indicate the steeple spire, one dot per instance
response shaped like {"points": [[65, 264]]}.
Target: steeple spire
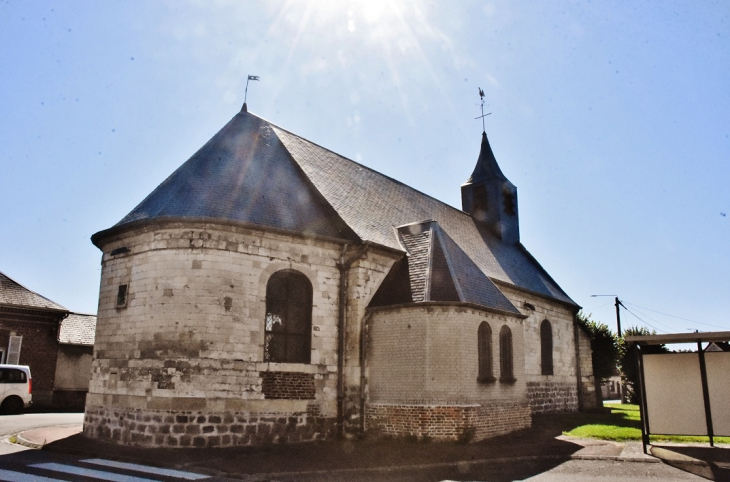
{"points": [[490, 197]]}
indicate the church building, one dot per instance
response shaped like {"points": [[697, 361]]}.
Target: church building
{"points": [[271, 290]]}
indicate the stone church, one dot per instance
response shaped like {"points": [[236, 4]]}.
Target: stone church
{"points": [[271, 290]]}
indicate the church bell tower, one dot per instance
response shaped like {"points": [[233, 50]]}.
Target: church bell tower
{"points": [[490, 197]]}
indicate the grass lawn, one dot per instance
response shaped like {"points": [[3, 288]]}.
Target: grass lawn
{"points": [[622, 424]]}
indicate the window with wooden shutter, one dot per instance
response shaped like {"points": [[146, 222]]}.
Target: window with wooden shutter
{"points": [[14, 350]]}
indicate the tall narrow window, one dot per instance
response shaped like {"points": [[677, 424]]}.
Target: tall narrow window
{"points": [[546, 347], [484, 338], [505, 355], [122, 296], [288, 324]]}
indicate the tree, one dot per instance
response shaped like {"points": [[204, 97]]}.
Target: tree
{"points": [[629, 364], [604, 345]]}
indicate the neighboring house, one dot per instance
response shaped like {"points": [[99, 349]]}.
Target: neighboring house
{"points": [[611, 388], [30, 335], [73, 365], [272, 290]]}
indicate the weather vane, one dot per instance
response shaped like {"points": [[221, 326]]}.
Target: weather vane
{"points": [[481, 96], [245, 94]]}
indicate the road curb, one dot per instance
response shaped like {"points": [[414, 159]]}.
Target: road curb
{"points": [[20, 440]]}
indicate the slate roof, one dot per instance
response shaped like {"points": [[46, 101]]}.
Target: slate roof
{"points": [[255, 172], [14, 294], [77, 329]]}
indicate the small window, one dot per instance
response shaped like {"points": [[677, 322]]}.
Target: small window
{"points": [[509, 202], [546, 347], [505, 355], [288, 324], [122, 296], [480, 198], [484, 337]]}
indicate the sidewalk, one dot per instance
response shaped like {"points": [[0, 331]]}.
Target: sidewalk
{"points": [[334, 457]]}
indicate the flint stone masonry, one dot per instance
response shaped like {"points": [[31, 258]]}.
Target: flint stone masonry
{"points": [[547, 397], [448, 422], [287, 385], [160, 428]]}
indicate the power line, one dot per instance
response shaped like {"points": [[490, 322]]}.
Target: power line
{"points": [[652, 319], [643, 321], [673, 316]]}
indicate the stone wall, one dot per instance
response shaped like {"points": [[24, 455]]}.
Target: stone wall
{"points": [[547, 397], [467, 423], [428, 353], [557, 392], [423, 367], [197, 428], [190, 335], [589, 399]]}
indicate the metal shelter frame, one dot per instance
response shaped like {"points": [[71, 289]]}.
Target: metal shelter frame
{"points": [[699, 338]]}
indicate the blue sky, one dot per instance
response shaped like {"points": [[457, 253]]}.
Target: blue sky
{"points": [[611, 118]]}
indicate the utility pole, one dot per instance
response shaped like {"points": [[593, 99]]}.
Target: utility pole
{"points": [[618, 304]]}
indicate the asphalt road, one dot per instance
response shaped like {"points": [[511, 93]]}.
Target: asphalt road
{"points": [[21, 464]]}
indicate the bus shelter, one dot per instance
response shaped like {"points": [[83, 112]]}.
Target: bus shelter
{"points": [[684, 393]]}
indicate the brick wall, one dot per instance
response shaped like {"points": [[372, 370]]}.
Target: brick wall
{"points": [[287, 385], [38, 350], [448, 422]]}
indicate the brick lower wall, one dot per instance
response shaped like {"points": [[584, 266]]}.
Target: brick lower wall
{"points": [[448, 422], [547, 397], [160, 428], [287, 385]]}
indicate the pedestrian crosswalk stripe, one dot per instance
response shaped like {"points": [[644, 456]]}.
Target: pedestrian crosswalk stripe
{"points": [[180, 474], [11, 476], [97, 474]]}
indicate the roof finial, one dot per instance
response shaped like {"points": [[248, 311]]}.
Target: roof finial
{"points": [[481, 96], [245, 94]]}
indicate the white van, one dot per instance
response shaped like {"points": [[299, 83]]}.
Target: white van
{"points": [[15, 388]]}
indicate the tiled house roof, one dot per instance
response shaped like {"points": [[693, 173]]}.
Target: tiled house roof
{"points": [[255, 172], [14, 294], [77, 329]]}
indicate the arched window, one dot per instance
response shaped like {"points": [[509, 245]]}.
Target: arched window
{"points": [[484, 338], [505, 355], [288, 330], [546, 347]]}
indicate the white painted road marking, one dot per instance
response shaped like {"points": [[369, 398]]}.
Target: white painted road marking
{"points": [[10, 476], [147, 469], [97, 474]]}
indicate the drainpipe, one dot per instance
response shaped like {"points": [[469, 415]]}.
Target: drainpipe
{"points": [[344, 268], [364, 330]]}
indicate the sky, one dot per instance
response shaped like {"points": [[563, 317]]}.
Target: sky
{"points": [[612, 118]]}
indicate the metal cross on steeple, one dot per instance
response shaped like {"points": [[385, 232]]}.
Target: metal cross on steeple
{"points": [[481, 95], [245, 94]]}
